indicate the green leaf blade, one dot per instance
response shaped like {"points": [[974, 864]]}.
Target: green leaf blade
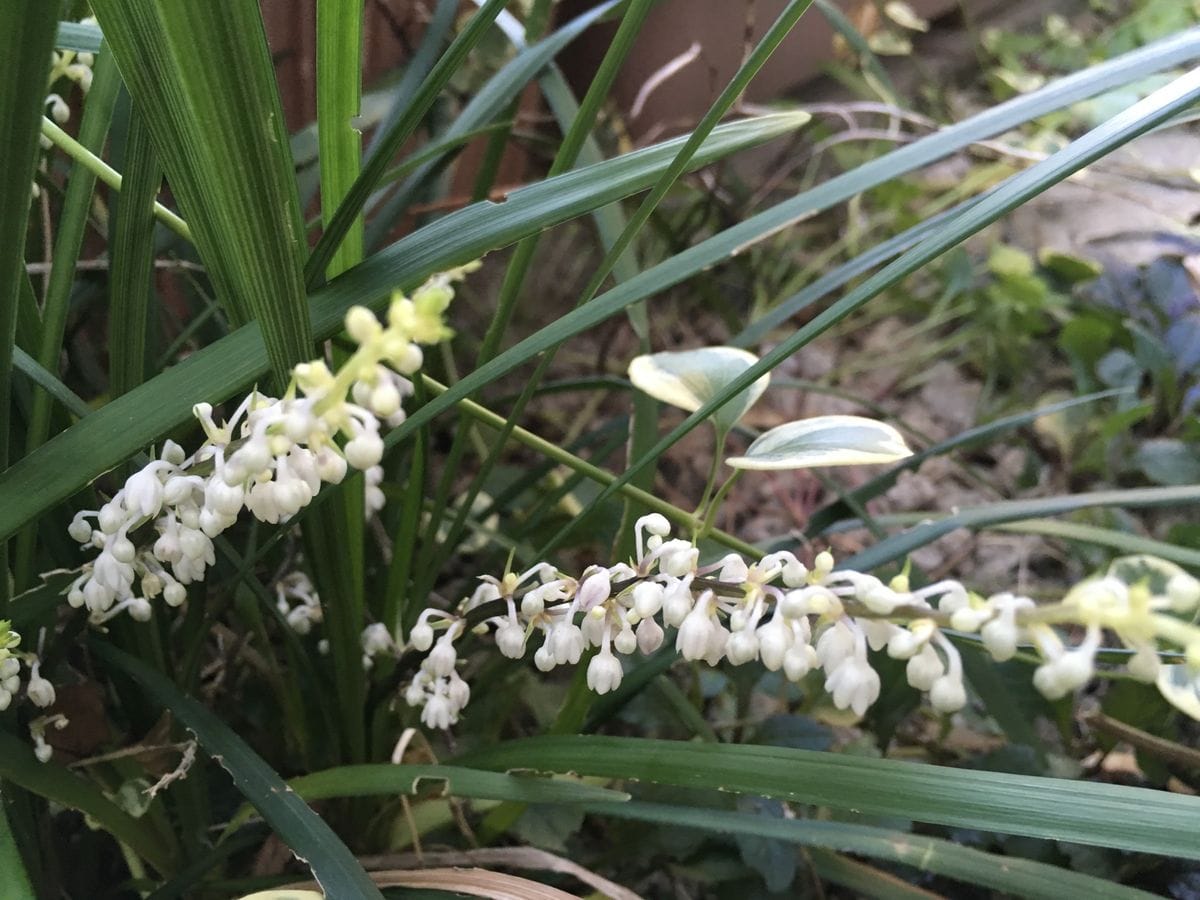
{"points": [[205, 71], [1105, 815]]}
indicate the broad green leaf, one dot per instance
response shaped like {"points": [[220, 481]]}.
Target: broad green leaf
{"points": [[26, 33], [130, 423], [301, 830], [824, 441], [62, 786], [690, 378], [203, 77], [1009, 874], [1105, 815]]}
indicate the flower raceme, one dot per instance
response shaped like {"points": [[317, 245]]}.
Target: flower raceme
{"points": [[270, 457], [796, 619]]}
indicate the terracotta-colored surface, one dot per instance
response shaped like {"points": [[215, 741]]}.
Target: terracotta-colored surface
{"points": [[723, 29]]}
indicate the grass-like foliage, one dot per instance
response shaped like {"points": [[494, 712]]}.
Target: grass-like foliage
{"points": [[356, 503]]}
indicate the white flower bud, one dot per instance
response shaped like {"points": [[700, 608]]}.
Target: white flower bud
{"points": [[39, 690], [421, 636], [677, 603], [122, 549], [1144, 665], [385, 400], [948, 694], [1184, 592], [968, 618], [59, 111], [594, 590], [361, 324], [173, 453], [365, 450], [111, 517], [544, 659], [139, 609], [174, 594], [1000, 637], [823, 564], [648, 598], [625, 641], [649, 636], [42, 751], [733, 569], [678, 558], [80, 529]]}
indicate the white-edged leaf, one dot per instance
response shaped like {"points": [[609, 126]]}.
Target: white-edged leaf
{"points": [[824, 441], [1181, 686], [690, 378]]}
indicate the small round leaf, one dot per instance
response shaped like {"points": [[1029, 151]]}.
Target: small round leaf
{"points": [[824, 441], [689, 379]]}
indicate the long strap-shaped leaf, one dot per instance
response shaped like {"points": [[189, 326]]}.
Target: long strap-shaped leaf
{"points": [[298, 826], [113, 433], [899, 545], [351, 205], [14, 880], [201, 74], [1012, 875], [490, 102], [26, 34], [1104, 815], [1137, 120]]}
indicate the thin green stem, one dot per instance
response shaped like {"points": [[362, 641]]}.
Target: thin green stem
{"points": [[706, 528], [107, 174], [595, 473]]}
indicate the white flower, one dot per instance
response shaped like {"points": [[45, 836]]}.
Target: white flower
{"points": [[442, 657], [565, 642], [39, 690], [604, 672], [853, 684], [775, 638], [677, 602], [692, 640], [510, 639], [924, 668]]}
